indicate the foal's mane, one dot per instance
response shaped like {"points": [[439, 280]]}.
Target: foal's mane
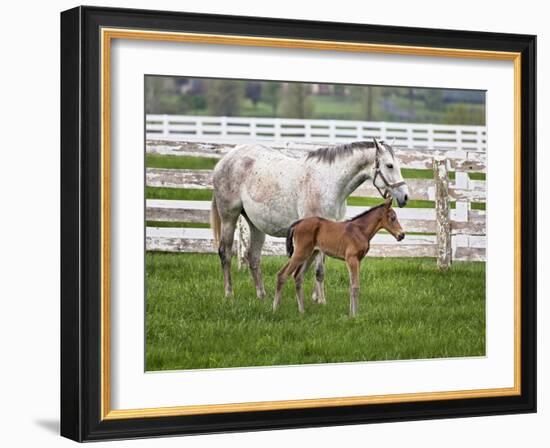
{"points": [[366, 212], [329, 154]]}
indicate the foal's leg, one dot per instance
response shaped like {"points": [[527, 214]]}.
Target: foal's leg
{"points": [[298, 281], [319, 289], [282, 276], [225, 250], [353, 268], [299, 275], [257, 238]]}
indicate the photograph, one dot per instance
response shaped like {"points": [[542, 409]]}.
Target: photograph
{"points": [[291, 223], [277, 224]]}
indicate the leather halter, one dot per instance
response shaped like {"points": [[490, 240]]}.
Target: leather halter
{"points": [[378, 172]]}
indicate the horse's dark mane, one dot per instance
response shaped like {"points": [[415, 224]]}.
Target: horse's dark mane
{"points": [[366, 212], [329, 154]]}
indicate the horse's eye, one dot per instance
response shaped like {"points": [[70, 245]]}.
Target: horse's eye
{"points": [[389, 166]]}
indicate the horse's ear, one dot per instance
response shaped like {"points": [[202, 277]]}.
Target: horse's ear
{"points": [[388, 201], [377, 146]]}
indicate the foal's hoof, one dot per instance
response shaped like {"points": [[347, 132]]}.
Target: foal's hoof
{"points": [[260, 295]]}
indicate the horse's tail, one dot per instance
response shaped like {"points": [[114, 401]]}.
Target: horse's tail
{"points": [[289, 238], [215, 222]]}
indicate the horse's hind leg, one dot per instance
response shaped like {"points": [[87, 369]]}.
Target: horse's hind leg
{"points": [[257, 238], [225, 250], [319, 289]]}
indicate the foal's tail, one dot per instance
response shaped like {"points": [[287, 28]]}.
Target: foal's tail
{"points": [[289, 238], [215, 222]]}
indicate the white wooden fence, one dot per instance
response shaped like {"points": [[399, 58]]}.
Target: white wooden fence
{"points": [[239, 129], [466, 226]]}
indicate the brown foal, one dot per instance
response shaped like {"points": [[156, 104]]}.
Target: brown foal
{"points": [[346, 240]]}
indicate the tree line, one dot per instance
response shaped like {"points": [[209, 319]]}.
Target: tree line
{"points": [[227, 97]]}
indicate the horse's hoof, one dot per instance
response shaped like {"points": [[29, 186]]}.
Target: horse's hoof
{"points": [[261, 295]]}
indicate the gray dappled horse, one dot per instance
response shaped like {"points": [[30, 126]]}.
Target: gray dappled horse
{"points": [[272, 191]]}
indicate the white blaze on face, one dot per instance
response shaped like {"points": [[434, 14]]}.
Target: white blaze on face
{"points": [[391, 170]]}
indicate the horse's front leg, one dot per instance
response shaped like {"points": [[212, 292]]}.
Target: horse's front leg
{"points": [[318, 294], [257, 238], [353, 268]]}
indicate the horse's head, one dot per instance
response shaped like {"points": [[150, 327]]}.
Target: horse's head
{"points": [[387, 177], [390, 222]]}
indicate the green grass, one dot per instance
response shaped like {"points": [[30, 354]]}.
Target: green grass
{"points": [[369, 202], [478, 206], [409, 173], [197, 194], [207, 163], [413, 203], [182, 194], [477, 176], [407, 310], [179, 162], [203, 225]]}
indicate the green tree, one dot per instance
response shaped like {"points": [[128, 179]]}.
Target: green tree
{"points": [[253, 92], [223, 97], [161, 95], [271, 94], [296, 101], [366, 95], [433, 100], [410, 97], [465, 114]]}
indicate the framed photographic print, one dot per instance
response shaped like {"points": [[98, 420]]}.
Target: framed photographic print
{"points": [[276, 224]]}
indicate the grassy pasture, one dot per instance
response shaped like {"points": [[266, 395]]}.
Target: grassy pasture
{"points": [[407, 310]]}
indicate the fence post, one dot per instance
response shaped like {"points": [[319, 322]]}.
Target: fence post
{"points": [[443, 221], [480, 145], [331, 132], [462, 182], [243, 242], [223, 127], [198, 127], [165, 126], [277, 129]]}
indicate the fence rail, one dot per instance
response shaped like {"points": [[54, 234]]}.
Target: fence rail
{"points": [[466, 227], [421, 189], [240, 129]]}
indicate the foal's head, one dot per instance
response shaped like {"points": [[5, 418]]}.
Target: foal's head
{"points": [[389, 221]]}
